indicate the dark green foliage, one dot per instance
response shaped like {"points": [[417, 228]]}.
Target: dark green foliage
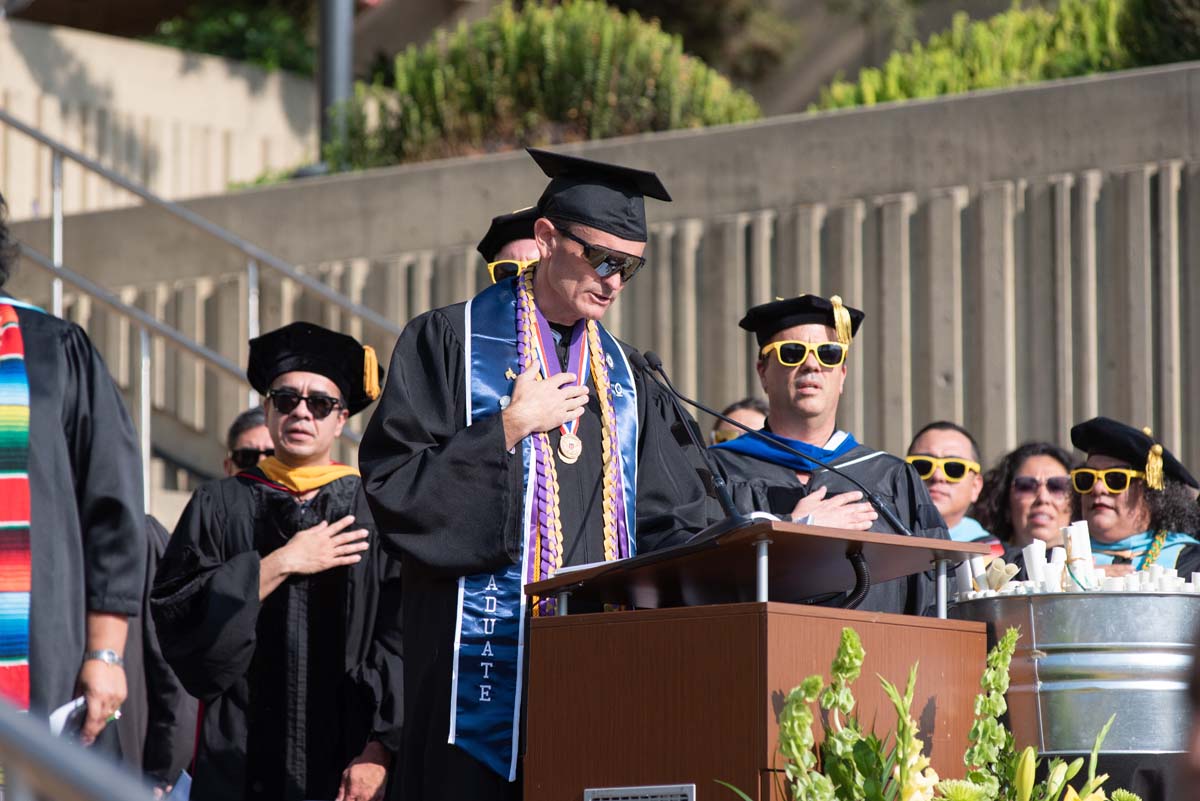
{"points": [[1016, 47], [1162, 31], [540, 75], [272, 35], [744, 38]]}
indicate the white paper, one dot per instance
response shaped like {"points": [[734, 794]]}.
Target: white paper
{"points": [[59, 717]]}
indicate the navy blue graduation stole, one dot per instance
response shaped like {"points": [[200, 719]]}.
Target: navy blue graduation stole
{"points": [[489, 638]]}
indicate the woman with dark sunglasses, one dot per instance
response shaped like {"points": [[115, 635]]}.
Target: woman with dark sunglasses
{"points": [[1028, 496], [1138, 499]]}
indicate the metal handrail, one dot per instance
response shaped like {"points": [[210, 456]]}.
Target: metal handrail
{"points": [[36, 763], [255, 254], [146, 325]]}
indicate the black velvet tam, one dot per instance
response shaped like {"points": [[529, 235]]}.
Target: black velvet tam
{"points": [[606, 197], [507, 228], [309, 348], [768, 319], [1107, 437]]}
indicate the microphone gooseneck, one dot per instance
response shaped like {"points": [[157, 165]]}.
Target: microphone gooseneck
{"points": [[720, 488], [654, 363]]}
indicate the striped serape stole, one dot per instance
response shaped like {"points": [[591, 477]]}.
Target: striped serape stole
{"points": [[15, 566]]}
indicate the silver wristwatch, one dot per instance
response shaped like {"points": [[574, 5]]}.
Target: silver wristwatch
{"points": [[107, 655]]}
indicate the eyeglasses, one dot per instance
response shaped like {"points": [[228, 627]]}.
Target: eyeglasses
{"points": [[1116, 479], [792, 352], [507, 268], [606, 261], [245, 458], [953, 468], [1029, 485], [286, 401], [726, 434]]}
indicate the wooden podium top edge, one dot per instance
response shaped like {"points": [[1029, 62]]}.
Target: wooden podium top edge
{"points": [[755, 609], [775, 531]]}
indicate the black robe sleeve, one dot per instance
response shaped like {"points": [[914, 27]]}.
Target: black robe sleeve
{"points": [[672, 502], [914, 506], [442, 493], [108, 490], [171, 718], [205, 605], [380, 677]]}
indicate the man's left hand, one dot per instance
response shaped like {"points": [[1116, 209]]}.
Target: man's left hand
{"points": [[103, 687], [365, 777]]}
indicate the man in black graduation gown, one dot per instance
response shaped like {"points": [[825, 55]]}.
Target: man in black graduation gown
{"points": [[275, 606], [85, 546], [803, 344], [513, 439]]}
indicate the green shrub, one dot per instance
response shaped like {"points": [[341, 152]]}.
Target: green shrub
{"points": [[1019, 46], [272, 34], [540, 75], [1162, 31]]}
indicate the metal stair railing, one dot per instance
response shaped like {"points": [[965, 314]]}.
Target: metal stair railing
{"points": [[255, 256], [39, 765], [146, 325]]}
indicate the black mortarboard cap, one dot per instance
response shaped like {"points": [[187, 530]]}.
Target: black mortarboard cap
{"points": [[1107, 437], [606, 197], [507, 228], [309, 348], [769, 319]]}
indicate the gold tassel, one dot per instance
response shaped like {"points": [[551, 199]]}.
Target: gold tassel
{"points": [[370, 372], [841, 320], [1154, 467]]}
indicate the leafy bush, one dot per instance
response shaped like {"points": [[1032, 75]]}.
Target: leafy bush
{"points": [[272, 35], [543, 74], [1019, 46], [1162, 31]]}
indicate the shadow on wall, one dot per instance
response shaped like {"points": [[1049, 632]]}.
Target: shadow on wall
{"points": [[296, 96], [115, 140]]}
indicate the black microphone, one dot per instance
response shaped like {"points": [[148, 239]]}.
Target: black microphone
{"points": [[733, 518], [653, 361]]}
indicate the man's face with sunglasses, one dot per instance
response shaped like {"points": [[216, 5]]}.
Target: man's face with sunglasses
{"points": [[1113, 516], [953, 485], [581, 271], [252, 446], [808, 391], [305, 414]]}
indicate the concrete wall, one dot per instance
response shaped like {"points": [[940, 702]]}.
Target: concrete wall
{"points": [[1026, 258], [182, 124]]}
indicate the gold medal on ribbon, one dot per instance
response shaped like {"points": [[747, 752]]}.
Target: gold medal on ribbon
{"points": [[569, 448]]}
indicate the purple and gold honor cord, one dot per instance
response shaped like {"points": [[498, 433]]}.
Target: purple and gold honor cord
{"points": [[546, 535]]}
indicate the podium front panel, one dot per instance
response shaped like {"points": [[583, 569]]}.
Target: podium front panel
{"points": [[692, 695]]}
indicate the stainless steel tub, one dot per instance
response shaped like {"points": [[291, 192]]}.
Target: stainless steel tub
{"points": [[1085, 656]]}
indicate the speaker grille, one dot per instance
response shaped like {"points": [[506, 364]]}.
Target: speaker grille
{"points": [[662, 792]]}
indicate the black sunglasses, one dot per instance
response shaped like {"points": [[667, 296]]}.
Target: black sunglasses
{"points": [[286, 401], [245, 458], [606, 261]]}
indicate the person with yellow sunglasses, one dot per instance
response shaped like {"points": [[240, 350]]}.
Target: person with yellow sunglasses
{"points": [[802, 346], [1138, 499], [946, 458], [508, 247]]}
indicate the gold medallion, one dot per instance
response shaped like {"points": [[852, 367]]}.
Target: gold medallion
{"points": [[569, 448]]}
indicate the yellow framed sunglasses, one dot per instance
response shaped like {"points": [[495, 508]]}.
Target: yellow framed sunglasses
{"points": [[725, 435], [793, 352], [1116, 479], [507, 268], [953, 468]]}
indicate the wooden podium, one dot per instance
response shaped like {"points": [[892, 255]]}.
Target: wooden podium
{"points": [[687, 687]]}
